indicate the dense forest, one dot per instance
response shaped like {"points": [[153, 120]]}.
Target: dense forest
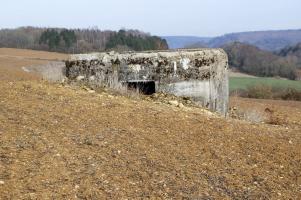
{"points": [[122, 38], [79, 40], [252, 60]]}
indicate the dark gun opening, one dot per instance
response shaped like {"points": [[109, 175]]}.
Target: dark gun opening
{"points": [[146, 87]]}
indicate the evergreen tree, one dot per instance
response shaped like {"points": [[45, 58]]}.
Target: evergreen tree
{"points": [[137, 43], [69, 37], [50, 37], [54, 39]]}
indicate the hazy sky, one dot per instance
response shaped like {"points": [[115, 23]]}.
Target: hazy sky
{"points": [[160, 17]]}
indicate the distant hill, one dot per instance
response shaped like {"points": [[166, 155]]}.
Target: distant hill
{"points": [[252, 60], [176, 42], [265, 40]]}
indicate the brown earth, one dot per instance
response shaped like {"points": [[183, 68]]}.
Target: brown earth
{"points": [[63, 142], [12, 61]]}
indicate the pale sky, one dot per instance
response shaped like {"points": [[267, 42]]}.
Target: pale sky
{"points": [[159, 17]]}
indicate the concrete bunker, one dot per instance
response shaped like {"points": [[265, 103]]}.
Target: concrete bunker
{"points": [[201, 74]]}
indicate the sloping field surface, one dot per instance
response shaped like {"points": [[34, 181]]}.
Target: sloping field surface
{"points": [[12, 61], [63, 142], [59, 142]]}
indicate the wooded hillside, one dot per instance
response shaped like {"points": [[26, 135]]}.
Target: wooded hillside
{"points": [[293, 53], [252, 60], [79, 40]]}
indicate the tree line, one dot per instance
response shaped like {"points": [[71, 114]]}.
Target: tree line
{"points": [[79, 40], [140, 43], [252, 60]]}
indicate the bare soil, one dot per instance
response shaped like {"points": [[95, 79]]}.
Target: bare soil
{"points": [[12, 61], [63, 142]]}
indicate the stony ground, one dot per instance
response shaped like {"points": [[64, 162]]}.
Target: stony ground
{"points": [[62, 142]]}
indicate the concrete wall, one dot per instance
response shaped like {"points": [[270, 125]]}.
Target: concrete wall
{"points": [[201, 74]]}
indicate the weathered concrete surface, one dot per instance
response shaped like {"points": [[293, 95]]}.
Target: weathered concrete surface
{"points": [[53, 71], [201, 73]]}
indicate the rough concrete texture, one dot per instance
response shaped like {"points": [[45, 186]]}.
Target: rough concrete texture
{"points": [[201, 74], [53, 71]]}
